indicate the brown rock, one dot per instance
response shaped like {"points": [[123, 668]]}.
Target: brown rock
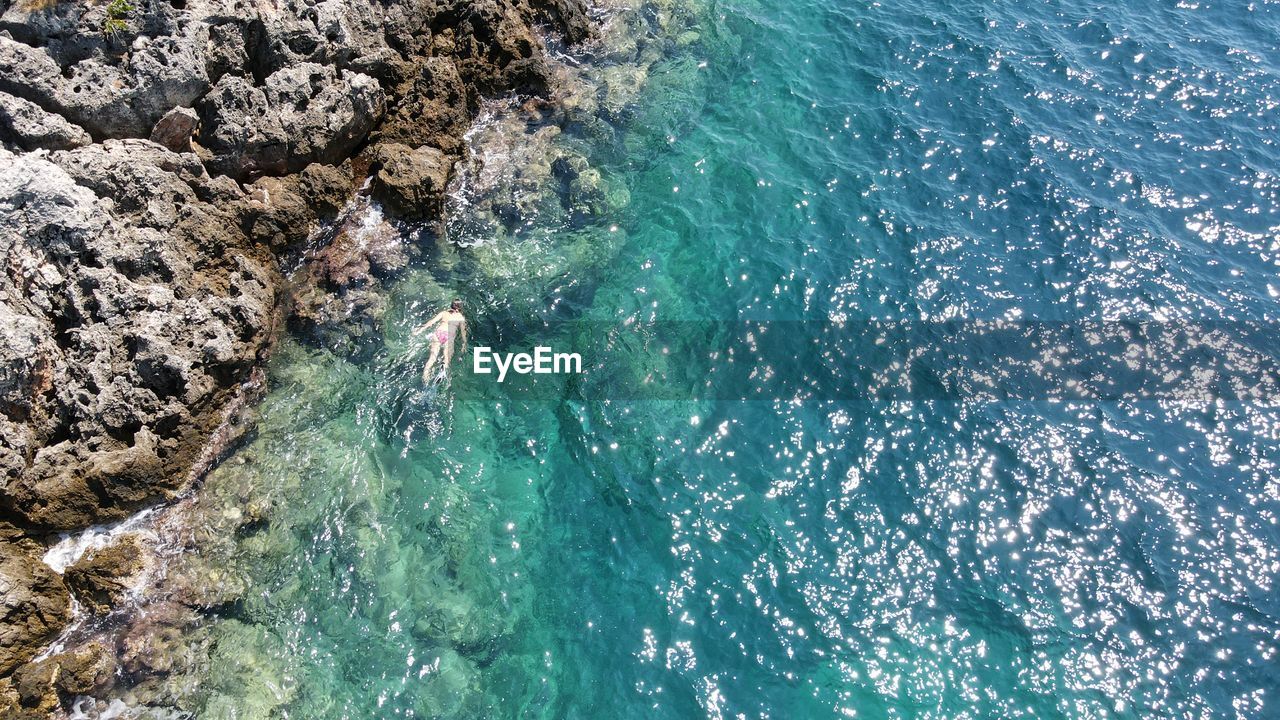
{"points": [[278, 214], [36, 688], [10, 704], [101, 579], [570, 16], [34, 606], [435, 109], [284, 211], [37, 691], [411, 182], [85, 670], [175, 129], [64, 488], [326, 188], [500, 51]]}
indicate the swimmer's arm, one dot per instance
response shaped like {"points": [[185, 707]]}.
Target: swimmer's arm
{"points": [[418, 330], [463, 344]]}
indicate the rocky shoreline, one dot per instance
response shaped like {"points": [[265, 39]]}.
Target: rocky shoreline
{"points": [[174, 188]]}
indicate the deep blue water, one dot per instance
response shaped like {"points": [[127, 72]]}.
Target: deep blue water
{"points": [[690, 529]]}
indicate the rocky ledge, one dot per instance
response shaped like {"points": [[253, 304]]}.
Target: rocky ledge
{"points": [[161, 163]]}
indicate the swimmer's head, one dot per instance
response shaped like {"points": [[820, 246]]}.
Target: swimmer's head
{"points": [[456, 306]]}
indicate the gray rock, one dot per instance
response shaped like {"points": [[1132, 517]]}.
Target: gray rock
{"points": [[328, 32], [25, 348], [138, 177], [324, 113], [242, 130], [31, 23], [302, 114], [27, 126], [28, 72], [226, 50], [108, 98], [164, 317]]}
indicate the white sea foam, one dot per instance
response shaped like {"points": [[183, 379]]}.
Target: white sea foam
{"points": [[72, 547], [84, 708]]}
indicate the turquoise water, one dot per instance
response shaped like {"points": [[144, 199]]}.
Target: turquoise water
{"points": [[689, 529]]}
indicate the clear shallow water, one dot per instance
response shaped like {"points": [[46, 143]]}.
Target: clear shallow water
{"points": [[593, 547]]}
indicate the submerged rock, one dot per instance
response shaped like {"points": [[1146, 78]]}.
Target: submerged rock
{"points": [[453, 688], [165, 637], [338, 298]]}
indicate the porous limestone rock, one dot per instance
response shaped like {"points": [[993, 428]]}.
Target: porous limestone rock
{"points": [[111, 99], [302, 114], [127, 338], [27, 126], [435, 109]]}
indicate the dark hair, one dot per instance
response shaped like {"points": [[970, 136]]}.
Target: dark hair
{"points": [[455, 305]]}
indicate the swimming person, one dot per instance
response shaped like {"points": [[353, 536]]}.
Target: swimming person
{"points": [[448, 330]]}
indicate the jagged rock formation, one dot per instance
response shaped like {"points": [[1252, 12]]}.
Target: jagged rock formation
{"points": [[102, 577], [34, 606], [32, 128], [135, 308], [149, 179]]}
